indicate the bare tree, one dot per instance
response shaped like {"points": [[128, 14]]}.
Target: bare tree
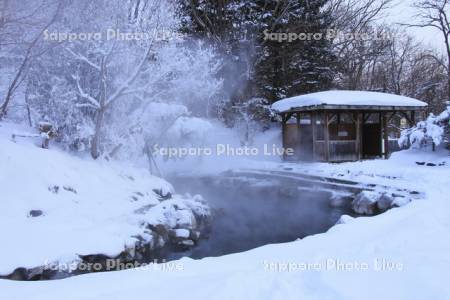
{"points": [[359, 58], [30, 47], [356, 18], [436, 14]]}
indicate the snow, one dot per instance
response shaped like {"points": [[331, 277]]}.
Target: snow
{"points": [[400, 254], [88, 207], [355, 98], [183, 233]]}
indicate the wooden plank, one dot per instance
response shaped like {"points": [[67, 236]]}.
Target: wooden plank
{"points": [[314, 137], [342, 150]]}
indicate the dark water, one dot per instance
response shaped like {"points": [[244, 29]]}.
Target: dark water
{"points": [[251, 212]]}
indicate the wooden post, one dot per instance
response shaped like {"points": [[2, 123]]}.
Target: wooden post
{"points": [[314, 134], [363, 120], [327, 138], [380, 121], [46, 131], [283, 133], [385, 136], [358, 136]]}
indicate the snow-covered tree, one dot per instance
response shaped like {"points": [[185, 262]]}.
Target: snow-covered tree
{"points": [[105, 94], [434, 130], [182, 86], [250, 117], [104, 67], [22, 25]]}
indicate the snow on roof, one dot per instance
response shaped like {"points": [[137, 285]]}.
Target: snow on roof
{"points": [[353, 98]]}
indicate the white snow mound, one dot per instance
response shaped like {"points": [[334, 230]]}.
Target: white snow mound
{"points": [[55, 207]]}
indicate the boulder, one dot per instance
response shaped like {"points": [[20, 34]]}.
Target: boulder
{"points": [[338, 200], [181, 233], [187, 243], [195, 235], [385, 202], [35, 213], [365, 202]]}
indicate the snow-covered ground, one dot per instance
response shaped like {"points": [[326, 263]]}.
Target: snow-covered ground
{"points": [[401, 254], [55, 206]]}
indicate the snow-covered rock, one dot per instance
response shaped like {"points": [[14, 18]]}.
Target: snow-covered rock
{"points": [[385, 202], [372, 202], [400, 201], [345, 219], [366, 202], [181, 233]]}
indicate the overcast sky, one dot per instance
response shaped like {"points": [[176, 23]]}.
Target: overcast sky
{"points": [[403, 12]]}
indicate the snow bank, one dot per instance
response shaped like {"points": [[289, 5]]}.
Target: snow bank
{"points": [[405, 251], [355, 98], [55, 207], [401, 254]]}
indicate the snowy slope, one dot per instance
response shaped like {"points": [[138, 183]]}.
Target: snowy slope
{"points": [[87, 207], [406, 251], [346, 98]]}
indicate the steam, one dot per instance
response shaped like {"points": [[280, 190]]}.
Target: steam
{"points": [[250, 213]]}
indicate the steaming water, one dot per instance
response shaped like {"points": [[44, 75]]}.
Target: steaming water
{"points": [[251, 212]]}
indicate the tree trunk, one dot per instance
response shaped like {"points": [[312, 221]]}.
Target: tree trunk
{"points": [[95, 144]]}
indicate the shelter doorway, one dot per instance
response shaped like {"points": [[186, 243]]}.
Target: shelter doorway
{"points": [[371, 135]]}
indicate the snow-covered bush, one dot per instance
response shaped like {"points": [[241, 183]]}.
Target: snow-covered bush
{"points": [[434, 129], [51, 97], [248, 117]]}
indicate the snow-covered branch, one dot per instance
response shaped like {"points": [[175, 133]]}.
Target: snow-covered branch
{"points": [[86, 96], [83, 58]]}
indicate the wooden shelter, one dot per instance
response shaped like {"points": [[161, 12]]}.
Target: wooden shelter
{"points": [[339, 126]]}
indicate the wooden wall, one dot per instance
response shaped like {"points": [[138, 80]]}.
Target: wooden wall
{"points": [[331, 136]]}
